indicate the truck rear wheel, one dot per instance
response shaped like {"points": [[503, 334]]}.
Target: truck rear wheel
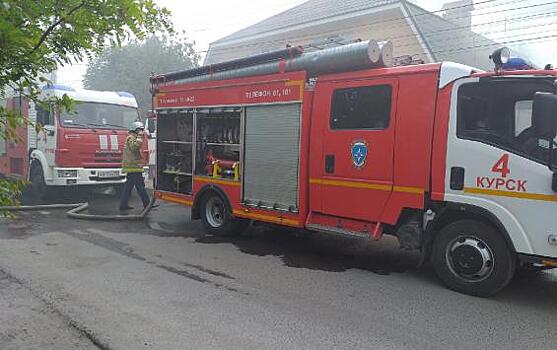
{"points": [[217, 217], [473, 258]]}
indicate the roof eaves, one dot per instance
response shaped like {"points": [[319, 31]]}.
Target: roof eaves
{"points": [[404, 4], [439, 18]]}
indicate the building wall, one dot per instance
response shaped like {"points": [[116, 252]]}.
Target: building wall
{"points": [[413, 31], [3, 143], [384, 25], [13, 153]]}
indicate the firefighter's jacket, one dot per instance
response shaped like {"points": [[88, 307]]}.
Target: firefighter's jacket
{"points": [[133, 161]]}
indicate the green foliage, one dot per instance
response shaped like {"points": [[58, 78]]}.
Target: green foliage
{"points": [[37, 36], [11, 120], [10, 191], [128, 68]]}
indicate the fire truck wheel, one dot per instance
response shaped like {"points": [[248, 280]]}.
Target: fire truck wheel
{"points": [[38, 185], [217, 217], [472, 257]]}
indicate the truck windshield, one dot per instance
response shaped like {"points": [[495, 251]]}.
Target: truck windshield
{"points": [[498, 111], [99, 115]]}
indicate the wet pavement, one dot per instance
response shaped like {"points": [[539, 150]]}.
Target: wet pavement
{"points": [[161, 283]]}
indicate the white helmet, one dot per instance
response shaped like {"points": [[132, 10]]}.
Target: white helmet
{"points": [[136, 125]]}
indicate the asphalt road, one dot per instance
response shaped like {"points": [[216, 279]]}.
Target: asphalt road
{"points": [[163, 284]]}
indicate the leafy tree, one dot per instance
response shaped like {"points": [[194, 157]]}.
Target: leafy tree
{"points": [[37, 36], [128, 68]]}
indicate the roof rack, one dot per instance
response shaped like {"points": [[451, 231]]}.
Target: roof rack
{"points": [[350, 57]]}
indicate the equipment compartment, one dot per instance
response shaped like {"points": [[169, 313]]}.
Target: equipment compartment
{"points": [[175, 150], [218, 142]]}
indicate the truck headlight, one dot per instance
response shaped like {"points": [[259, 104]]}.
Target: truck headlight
{"points": [[67, 173]]}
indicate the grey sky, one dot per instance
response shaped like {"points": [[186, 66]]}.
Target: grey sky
{"points": [[208, 20]]}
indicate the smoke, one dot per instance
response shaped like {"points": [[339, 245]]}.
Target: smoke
{"points": [[539, 53], [501, 22]]}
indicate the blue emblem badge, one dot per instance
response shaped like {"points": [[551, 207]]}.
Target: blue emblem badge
{"points": [[359, 153]]}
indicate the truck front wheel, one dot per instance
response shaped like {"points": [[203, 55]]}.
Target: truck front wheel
{"points": [[38, 185], [472, 257], [217, 217]]}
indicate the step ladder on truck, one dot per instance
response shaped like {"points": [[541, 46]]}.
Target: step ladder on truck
{"points": [[455, 162]]}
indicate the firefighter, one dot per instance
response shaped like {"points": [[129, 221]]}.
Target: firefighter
{"points": [[132, 165]]}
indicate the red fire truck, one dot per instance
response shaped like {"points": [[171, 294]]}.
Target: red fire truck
{"points": [[78, 148], [453, 161]]}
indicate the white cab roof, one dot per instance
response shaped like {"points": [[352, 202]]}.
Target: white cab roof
{"points": [[451, 71], [111, 97]]}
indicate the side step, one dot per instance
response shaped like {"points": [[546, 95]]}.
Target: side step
{"points": [[375, 235]]}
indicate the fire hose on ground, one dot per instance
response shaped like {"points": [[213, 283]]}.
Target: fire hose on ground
{"points": [[76, 211]]}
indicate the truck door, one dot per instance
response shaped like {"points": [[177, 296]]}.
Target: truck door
{"points": [[46, 137], [356, 122]]}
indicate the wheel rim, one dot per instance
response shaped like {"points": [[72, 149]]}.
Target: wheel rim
{"points": [[470, 258], [215, 212]]}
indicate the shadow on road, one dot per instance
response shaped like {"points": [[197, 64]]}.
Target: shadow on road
{"points": [[534, 288]]}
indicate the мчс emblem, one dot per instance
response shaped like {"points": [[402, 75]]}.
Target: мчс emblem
{"points": [[359, 153]]}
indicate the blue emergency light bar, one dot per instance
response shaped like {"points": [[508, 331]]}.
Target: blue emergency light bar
{"points": [[58, 87], [518, 63]]}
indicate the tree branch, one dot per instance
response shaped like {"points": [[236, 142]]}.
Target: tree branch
{"points": [[53, 26]]}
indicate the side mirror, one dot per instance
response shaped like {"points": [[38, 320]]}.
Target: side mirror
{"points": [[544, 114], [49, 130], [544, 123], [552, 161]]}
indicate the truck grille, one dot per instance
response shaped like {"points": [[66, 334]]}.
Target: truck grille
{"points": [[108, 157]]}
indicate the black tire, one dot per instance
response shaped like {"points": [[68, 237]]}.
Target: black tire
{"points": [[39, 189], [217, 217], [473, 258]]}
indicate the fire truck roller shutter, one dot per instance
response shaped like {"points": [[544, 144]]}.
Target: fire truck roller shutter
{"points": [[272, 150]]}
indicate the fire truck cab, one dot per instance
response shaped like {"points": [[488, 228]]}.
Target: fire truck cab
{"points": [[78, 148], [454, 162]]}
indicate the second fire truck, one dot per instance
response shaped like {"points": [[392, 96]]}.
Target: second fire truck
{"points": [[79, 148]]}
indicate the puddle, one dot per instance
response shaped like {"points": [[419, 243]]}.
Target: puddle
{"points": [[33, 223], [295, 249], [16, 228], [316, 251]]}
